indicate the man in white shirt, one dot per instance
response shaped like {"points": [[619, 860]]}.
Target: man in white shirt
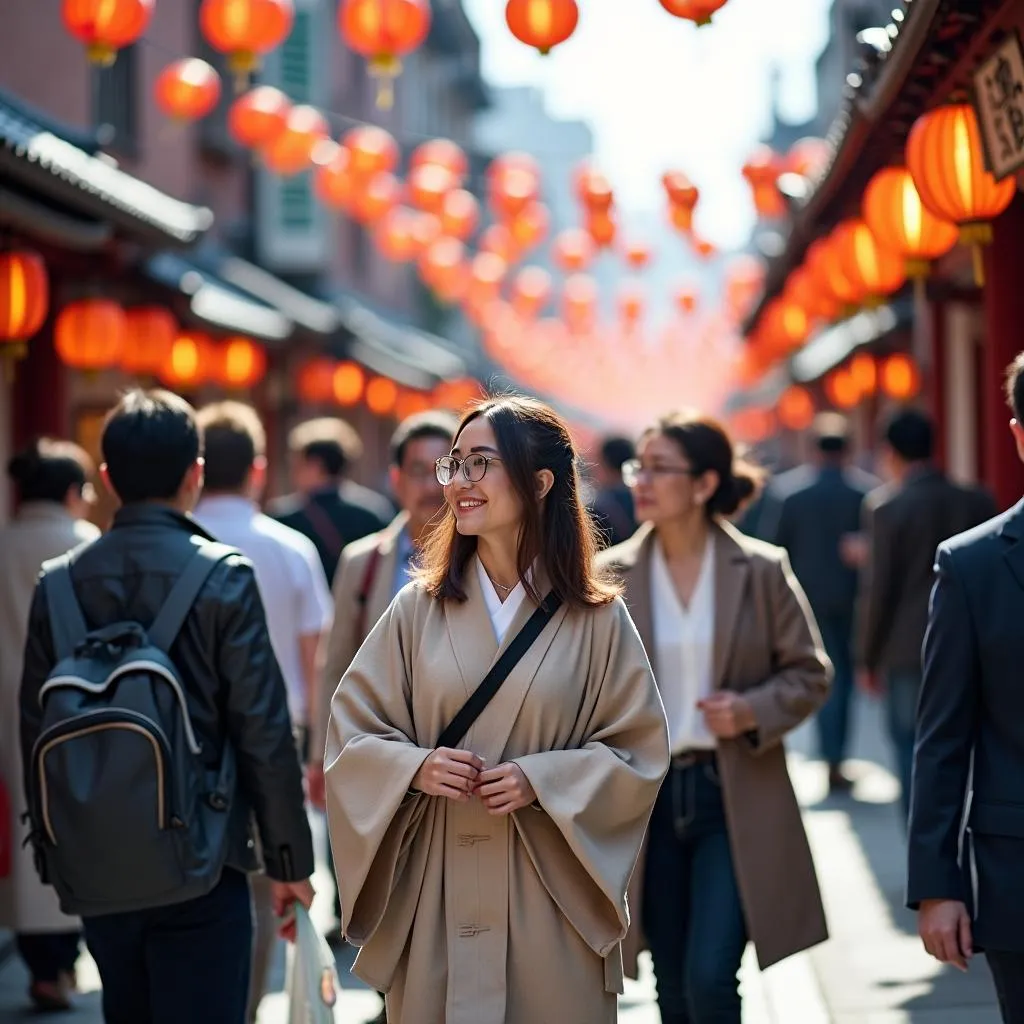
{"points": [[291, 582]]}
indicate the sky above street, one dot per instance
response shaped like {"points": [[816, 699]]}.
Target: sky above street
{"points": [[660, 93]]}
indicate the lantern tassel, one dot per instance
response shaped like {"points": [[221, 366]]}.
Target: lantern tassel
{"points": [[385, 68], [978, 259]]}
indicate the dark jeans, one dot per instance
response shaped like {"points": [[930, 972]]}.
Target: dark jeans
{"points": [[902, 690], [48, 954], [692, 913], [1008, 973], [834, 717], [186, 962]]}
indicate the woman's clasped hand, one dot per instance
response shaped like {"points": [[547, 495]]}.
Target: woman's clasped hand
{"points": [[460, 774]]}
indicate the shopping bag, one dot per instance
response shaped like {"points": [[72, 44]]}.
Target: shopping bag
{"points": [[312, 975]]}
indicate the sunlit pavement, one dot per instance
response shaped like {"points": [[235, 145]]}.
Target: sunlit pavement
{"points": [[872, 971]]}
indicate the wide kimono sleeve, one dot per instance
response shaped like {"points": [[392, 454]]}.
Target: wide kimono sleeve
{"points": [[594, 801], [370, 763]]}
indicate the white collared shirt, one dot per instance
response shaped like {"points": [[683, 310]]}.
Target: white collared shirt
{"points": [[684, 639], [502, 613], [290, 578]]}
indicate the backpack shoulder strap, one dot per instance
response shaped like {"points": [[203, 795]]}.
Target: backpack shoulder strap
{"points": [[67, 623], [178, 604]]}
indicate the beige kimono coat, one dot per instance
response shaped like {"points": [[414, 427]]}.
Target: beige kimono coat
{"points": [[468, 918], [41, 531], [766, 647]]}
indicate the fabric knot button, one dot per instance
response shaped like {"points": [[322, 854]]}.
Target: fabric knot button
{"points": [[468, 839], [217, 802], [469, 931]]}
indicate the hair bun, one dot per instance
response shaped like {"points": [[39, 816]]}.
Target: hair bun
{"points": [[740, 486]]}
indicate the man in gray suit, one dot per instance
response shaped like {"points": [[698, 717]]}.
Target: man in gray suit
{"points": [[905, 522], [813, 517]]}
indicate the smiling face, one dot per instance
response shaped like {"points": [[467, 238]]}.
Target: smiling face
{"points": [[489, 506]]}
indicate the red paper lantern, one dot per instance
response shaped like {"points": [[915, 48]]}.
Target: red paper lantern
{"points": [[151, 331], [573, 250], [245, 29], [542, 24], [314, 382], [530, 227], [795, 408], [291, 151], [373, 150], [872, 269], [348, 383], [428, 184], [441, 153], [531, 291], [90, 334], [394, 235], [379, 196], [24, 294], [381, 396], [460, 213], [106, 26], [498, 239], [383, 31], [333, 178], [257, 117], [900, 377], [513, 183], [188, 89], [697, 11], [191, 361], [602, 228], [241, 364]]}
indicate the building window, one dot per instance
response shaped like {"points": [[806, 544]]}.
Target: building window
{"points": [[115, 102]]}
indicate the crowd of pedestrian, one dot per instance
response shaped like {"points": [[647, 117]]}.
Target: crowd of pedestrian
{"points": [[547, 724]]}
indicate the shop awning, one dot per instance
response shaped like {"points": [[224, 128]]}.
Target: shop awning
{"points": [[407, 355], [215, 302], [35, 157]]}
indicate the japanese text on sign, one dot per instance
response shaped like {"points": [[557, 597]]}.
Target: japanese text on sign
{"points": [[999, 103]]}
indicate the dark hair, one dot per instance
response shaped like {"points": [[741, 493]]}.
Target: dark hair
{"points": [[831, 433], [48, 469], [910, 434], [557, 531], [232, 438], [709, 448], [1015, 387], [331, 442], [439, 425], [150, 441], [617, 450]]}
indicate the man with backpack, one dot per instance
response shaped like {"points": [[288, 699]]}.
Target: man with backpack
{"points": [[155, 732]]}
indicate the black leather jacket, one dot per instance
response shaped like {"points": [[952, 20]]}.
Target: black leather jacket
{"points": [[233, 682]]}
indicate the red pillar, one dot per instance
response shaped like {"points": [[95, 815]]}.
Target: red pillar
{"points": [[40, 392], [1004, 338]]}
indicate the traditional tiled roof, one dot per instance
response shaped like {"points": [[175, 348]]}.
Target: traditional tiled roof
{"points": [[33, 154]]}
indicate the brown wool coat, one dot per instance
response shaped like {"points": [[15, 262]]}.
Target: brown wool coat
{"points": [[467, 918], [767, 647]]}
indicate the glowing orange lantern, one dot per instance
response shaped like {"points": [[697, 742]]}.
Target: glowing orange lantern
{"points": [[698, 11], [804, 289], [870, 268], [573, 249], [542, 24], [680, 190], [594, 190], [257, 117], [785, 325], [441, 153], [637, 254], [686, 298], [530, 227], [151, 331], [744, 279], [602, 229], [245, 29], [90, 334], [795, 408], [428, 184], [381, 396], [947, 162], [426, 230], [808, 157], [531, 291], [900, 377], [333, 180], [379, 196], [291, 151], [631, 303], [823, 263], [512, 187], [498, 239], [762, 171], [579, 301], [348, 383], [394, 235], [443, 268], [24, 295], [864, 373], [456, 394], [460, 213], [190, 362], [841, 389], [187, 89], [106, 26], [411, 403], [315, 381], [383, 31], [486, 273], [373, 150], [900, 221], [240, 364]]}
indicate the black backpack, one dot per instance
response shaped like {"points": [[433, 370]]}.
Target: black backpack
{"points": [[125, 815]]}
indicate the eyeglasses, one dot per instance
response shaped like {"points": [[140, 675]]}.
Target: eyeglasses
{"points": [[474, 468], [634, 469]]}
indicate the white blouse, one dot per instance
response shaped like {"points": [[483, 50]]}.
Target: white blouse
{"points": [[502, 613], [684, 638]]}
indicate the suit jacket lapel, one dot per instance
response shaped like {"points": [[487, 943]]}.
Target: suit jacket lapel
{"points": [[382, 590], [731, 568], [1013, 531]]}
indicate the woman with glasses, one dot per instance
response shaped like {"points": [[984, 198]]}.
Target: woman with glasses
{"points": [[739, 664], [485, 880], [55, 495]]}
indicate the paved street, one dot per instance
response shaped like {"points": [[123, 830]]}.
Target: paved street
{"points": [[872, 971]]}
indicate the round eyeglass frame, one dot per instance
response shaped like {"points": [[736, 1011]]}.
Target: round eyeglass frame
{"points": [[473, 467]]}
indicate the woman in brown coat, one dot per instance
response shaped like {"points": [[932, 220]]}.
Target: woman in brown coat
{"points": [[739, 663]]}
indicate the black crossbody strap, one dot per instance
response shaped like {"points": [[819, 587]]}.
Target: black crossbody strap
{"points": [[484, 693], [67, 623]]}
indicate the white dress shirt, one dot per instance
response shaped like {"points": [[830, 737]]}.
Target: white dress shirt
{"points": [[502, 613], [684, 638], [290, 578]]}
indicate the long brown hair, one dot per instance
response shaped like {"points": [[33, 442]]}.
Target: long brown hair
{"points": [[557, 530]]}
